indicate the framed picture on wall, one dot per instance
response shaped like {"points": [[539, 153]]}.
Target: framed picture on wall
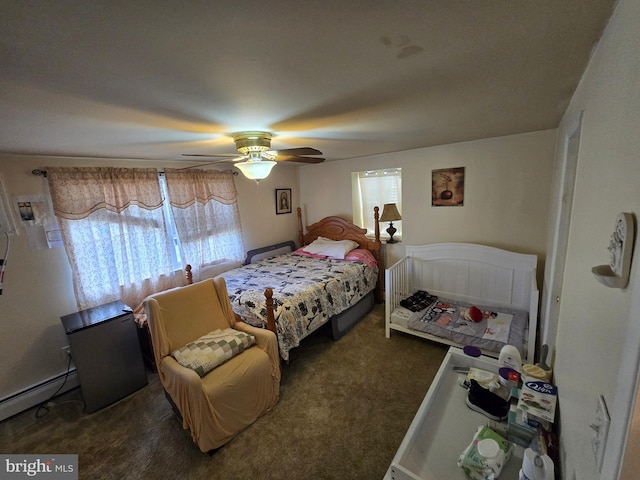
{"points": [[283, 200], [447, 187], [26, 211]]}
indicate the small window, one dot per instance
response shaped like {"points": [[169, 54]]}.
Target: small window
{"points": [[375, 188]]}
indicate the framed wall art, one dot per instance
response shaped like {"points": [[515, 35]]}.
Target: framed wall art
{"points": [[447, 187], [283, 200]]}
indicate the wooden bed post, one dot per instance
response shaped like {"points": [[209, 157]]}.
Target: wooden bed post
{"points": [[271, 320], [380, 285], [300, 230], [376, 219]]}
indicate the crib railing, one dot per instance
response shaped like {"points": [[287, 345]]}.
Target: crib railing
{"points": [[397, 287]]}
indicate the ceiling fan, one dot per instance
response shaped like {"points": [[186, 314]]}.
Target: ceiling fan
{"points": [[257, 158]]}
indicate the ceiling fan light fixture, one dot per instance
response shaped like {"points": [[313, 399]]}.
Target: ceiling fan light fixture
{"points": [[256, 169]]}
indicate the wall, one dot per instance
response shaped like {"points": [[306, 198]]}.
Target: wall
{"points": [[260, 224], [38, 289], [507, 189], [597, 331]]}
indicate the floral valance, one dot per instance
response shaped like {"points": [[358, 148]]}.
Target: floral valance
{"points": [[189, 186], [78, 192]]}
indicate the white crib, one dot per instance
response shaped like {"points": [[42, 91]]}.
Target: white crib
{"points": [[470, 273]]}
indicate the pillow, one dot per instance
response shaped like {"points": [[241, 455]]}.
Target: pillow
{"points": [[213, 349], [301, 251], [330, 248], [361, 255]]}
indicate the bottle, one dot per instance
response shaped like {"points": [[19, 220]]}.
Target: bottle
{"points": [[536, 466], [510, 358]]}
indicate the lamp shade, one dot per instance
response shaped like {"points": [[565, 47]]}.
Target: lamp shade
{"points": [[390, 213], [256, 170]]}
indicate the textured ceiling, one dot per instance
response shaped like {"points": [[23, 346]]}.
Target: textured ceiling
{"points": [[153, 79]]}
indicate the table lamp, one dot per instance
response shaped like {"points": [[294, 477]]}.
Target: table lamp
{"points": [[390, 214]]}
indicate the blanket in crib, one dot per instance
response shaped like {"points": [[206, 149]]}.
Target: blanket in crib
{"points": [[452, 320]]}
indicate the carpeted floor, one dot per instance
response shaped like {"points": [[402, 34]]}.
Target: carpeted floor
{"points": [[343, 411]]}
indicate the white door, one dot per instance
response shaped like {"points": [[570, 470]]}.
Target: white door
{"points": [[554, 266]]}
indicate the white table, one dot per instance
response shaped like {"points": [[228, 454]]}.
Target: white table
{"points": [[444, 426]]}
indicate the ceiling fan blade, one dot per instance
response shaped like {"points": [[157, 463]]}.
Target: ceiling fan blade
{"points": [[199, 165], [213, 156], [214, 162], [221, 160], [296, 158], [299, 151]]}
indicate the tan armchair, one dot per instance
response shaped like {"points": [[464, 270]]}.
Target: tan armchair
{"points": [[217, 406]]}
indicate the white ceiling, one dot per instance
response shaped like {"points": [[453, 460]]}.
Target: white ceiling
{"points": [[153, 79]]}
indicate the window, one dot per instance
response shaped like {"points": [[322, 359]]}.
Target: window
{"points": [[205, 212], [375, 188], [113, 229], [125, 241]]}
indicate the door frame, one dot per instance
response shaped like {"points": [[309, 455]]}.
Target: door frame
{"points": [[559, 226]]}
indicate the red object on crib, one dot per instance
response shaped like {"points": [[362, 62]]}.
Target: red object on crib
{"points": [[475, 313]]}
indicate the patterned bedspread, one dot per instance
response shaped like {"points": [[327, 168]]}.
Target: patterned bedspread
{"points": [[307, 292]]}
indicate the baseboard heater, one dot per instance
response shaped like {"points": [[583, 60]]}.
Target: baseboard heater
{"points": [[36, 394]]}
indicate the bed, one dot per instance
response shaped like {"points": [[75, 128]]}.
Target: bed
{"points": [[436, 291], [293, 294]]}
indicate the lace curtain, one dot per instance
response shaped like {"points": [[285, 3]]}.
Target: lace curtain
{"points": [[114, 232], [205, 211]]}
